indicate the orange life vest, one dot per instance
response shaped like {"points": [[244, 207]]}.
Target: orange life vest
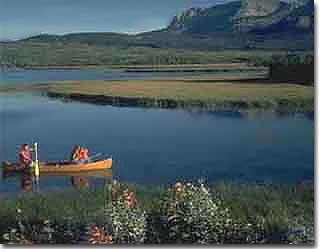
{"points": [[84, 154], [25, 156], [76, 154]]}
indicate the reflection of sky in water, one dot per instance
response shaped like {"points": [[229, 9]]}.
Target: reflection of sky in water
{"points": [[46, 76], [160, 146]]}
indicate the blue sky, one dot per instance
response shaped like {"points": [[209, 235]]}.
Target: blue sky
{"points": [[22, 18]]}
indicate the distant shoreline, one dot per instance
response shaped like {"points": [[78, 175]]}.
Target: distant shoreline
{"points": [[212, 66], [205, 94], [149, 102]]}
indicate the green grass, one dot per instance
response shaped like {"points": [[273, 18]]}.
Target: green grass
{"points": [[245, 200], [203, 92], [26, 54], [276, 203], [278, 206], [207, 94]]}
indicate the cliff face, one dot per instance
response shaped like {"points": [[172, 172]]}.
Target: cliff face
{"points": [[258, 15], [245, 16], [198, 20], [302, 17], [257, 8], [179, 22]]}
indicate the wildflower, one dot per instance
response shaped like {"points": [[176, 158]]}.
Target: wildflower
{"points": [[179, 190], [99, 236], [179, 187], [129, 198]]}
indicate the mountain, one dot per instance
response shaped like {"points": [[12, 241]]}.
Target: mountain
{"points": [[241, 25], [204, 21], [245, 24], [298, 20], [246, 16]]}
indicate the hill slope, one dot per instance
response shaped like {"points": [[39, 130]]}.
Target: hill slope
{"points": [[242, 25], [268, 24]]}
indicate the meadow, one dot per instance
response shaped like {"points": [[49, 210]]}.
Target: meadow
{"points": [[206, 94]]}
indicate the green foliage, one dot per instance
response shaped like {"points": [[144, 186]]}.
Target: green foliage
{"points": [[194, 216], [155, 49], [186, 213], [128, 222], [293, 68], [213, 31]]}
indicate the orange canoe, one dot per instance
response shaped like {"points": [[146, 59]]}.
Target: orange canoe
{"points": [[65, 167]]}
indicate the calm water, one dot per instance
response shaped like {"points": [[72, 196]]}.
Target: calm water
{"points": [[48, 76], [158, 146]]}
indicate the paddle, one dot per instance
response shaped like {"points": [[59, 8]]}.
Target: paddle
{"points": [[95, 156]]}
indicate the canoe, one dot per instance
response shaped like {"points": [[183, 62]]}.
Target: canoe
{"points": [[107, 173], [62, 167]]}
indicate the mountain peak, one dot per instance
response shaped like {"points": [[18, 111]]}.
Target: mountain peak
{"points": [[245, 16], [179, 21], [257, 8]]}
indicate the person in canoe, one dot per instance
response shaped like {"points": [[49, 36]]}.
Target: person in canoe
{"points": [[75, 157], [84, 155], [25, 156]]}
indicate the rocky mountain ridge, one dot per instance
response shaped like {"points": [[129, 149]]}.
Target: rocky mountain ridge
{"points": [[245, 24], [243, 16]]}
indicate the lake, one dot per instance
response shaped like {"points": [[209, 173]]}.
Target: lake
{"points": [[34, 76], [159, 146]]}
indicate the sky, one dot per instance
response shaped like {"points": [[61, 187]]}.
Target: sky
{"points": [[23, 18]]}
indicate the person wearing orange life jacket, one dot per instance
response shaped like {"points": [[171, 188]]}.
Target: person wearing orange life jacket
{"points": [[84, 155], [25, 156], [76, 154]]}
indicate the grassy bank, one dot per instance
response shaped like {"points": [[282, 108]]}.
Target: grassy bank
{"points": [[225, 213], [192, 68], [229, 65], [207, 94], [231, 92]]}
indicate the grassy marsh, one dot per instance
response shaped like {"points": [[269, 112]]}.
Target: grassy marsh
{"points": [[208, 94]]}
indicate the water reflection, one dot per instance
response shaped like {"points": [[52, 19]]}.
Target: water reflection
{"points": [[27, 183], [33, 76], [93, 179], [80, 182], [160, 146], [197, 112]]}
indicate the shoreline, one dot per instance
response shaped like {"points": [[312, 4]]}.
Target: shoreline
{"points": [[282, 106], [205, 94], [121, 66], [192, 68]]}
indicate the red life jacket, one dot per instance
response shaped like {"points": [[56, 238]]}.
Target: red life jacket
{"points": [[76, 155], [84, 154], [25, 156]]}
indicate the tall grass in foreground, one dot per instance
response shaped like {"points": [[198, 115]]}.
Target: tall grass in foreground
{"points": [[186, 213]]}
